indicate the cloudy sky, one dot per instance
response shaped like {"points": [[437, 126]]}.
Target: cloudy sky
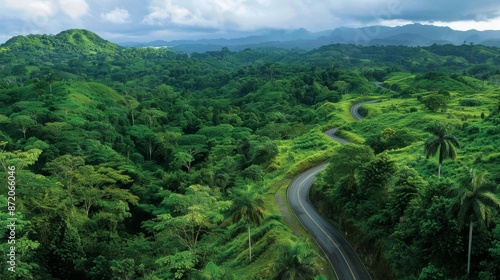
{"points": [[147, 20]]}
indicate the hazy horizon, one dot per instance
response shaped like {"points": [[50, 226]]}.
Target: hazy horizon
{"points": [[127, 20]]}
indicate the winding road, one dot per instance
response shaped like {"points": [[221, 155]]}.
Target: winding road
{"points": [[344, 260]]}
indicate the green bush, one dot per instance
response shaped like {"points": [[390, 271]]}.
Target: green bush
{"points": [[473, 129], [492, 130], [435, 102], [470, 102]]}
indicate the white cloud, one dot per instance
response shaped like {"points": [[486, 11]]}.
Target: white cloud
{"points": [[239, 14], [163, 11], [117, 16], [491, 24], [28, 8], [209, 18], [74, 8], [21, 17]]}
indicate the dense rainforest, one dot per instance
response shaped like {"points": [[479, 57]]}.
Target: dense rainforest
{"points": [[147, 163]]}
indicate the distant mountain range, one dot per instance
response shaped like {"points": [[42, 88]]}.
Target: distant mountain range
{"points": [[407, 35]]}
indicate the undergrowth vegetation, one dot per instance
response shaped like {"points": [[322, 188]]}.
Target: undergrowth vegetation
{"points": [[153, 164]]}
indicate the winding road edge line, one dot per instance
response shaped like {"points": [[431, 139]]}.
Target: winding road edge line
{"points": [[324, 253], [355, 114], [320, 227]]}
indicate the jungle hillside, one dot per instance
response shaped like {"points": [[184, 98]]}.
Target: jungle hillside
{"points": [[149, 163]]}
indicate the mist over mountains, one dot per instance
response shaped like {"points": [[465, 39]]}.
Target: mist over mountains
{"points": [[407, 35]]}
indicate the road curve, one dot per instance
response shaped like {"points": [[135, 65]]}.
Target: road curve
{"points": [[342, 257]]}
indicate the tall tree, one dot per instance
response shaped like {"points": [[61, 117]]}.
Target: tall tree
{"points": [[65, 169], [23, 122], [97, 185], [443, 142], [296, 261], [185, 159], [150, 116], [249, 207], [474, 203], [144, 137], [50, 79], [435, 101], [342, 87], [131, 103], [346, 163], [191, 215]]}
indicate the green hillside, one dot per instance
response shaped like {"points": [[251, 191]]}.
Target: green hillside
{"points": [[76, 41], [142, 163]]}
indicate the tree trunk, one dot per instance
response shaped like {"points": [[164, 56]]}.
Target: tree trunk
{"points": [[24, 130], [249, 245], [150, 150], [439, 172], [470, 247], [87, 208]]}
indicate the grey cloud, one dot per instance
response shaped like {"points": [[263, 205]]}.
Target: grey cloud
{"points": [[448, 10], [207, 20]]}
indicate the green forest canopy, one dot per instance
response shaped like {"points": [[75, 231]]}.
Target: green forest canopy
{"points": [[129, 159]]}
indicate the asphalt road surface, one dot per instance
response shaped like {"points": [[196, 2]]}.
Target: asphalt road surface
{"points": [[344, 260]]}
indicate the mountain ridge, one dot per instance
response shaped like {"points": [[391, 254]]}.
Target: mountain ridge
{"points": [[85, 42], [81, 41], [409, 35]]}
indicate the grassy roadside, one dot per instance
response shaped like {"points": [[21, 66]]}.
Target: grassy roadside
{"points": [[314, 147], [299, 155], [295, 156], [293, 223], [467, 116]]}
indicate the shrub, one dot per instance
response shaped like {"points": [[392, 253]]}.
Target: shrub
{"points": [[445, 93], [473, 130], [407, 93], [469, 102], [435, 102], [492, 130]]}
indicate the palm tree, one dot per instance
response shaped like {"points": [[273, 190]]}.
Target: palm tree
{"points": [[249, 207], [296, 261], [474, 202], [213, 272], [443, 142]]}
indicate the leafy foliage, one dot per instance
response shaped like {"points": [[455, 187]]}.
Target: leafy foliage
{"points": [[296, 261], [140, 163]]}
